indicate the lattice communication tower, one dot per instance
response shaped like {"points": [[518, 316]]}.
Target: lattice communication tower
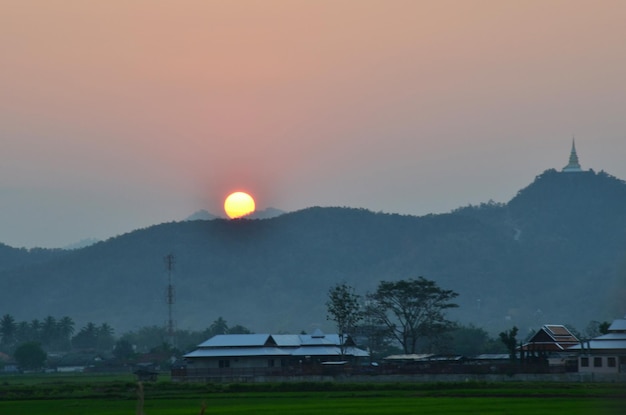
{"points": [[170, 260]]}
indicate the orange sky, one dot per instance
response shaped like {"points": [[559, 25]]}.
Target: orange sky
{"points": [[119, 114]]}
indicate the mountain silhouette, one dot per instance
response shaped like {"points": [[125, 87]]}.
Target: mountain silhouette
{"points": [[555, 253], [257, 214]]}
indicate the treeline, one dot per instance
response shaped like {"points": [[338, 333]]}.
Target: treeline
{"points": [[405, 316], [60, 335], [51, 333]]}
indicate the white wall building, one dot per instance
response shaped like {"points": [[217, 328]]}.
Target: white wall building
{"points": [[606, 353]]}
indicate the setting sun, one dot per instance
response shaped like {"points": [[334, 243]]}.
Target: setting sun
{"points": [[239, 204]]}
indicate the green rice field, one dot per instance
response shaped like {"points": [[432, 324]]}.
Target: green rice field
{"points": [[94, 395]]}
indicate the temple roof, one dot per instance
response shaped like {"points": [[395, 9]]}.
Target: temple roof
{"points": [[573, 165]]}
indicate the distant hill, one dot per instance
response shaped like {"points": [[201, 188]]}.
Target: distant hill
{"points": [[259, 214], [202, 215], [82, 243], [266, 213], [556, 253]]}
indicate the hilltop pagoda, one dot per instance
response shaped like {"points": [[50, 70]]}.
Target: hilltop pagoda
{"points": [[573, 166]]}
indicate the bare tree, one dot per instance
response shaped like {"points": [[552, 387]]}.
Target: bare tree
{"points": [[344, 309]]}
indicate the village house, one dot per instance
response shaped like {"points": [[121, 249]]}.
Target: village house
{"points": [[249, 355], [551, 344], [605, 353]]}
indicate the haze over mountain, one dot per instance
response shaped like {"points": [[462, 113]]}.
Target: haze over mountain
{"points": [[555, 253], [204, 214]]}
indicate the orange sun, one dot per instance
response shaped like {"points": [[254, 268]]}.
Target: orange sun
{"points": [[239, 204]]}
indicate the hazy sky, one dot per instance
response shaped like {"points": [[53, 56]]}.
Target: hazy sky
{"points": [[120, 114]]}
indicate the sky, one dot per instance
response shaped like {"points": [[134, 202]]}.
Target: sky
{"points": [[117, 115]]}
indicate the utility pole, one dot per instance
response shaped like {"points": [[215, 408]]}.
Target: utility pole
{"points": [[170, 298]]}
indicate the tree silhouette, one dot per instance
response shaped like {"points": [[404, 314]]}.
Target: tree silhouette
{"points": [[8, 329], [509, 340], [30, 355], [411, 309], [219, 326], [344, 309], [87, 337], [65, 327], [49, 331]]}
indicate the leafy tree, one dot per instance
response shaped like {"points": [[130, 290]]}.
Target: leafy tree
{"points": [[146, 338], [471, 340], [151, 337], [591, 330], [509, 340], [238, 329], [411, 309], [603, 327], [344, 308], [30, 355], [378, 339]]}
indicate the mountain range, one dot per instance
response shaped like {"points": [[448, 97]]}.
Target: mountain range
{"points": [[554, 254]]}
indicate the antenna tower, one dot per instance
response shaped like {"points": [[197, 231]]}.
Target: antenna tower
{"points": [[170, 260]]}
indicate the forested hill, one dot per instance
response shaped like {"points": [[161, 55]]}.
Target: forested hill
{"points": [[555, 253], [19, 257]]}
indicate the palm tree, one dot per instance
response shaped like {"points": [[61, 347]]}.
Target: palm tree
{"points": [[8, 328], [49, 331], [65, 329], [105, 337], [219, 326], [23, 332], [35, 330], [87, 337]]}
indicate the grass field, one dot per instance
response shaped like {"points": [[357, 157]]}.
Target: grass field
{"points": [[117, 394]]}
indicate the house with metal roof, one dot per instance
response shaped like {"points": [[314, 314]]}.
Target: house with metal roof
{"points": [[267, 354], [605, 353]]}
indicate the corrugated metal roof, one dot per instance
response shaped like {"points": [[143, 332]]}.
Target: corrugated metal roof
{"points": [[601, 345], [611, 336], [316, 351], [328, 339], [243, 352], [229, 345], [283, 340], [236, 340], [492, 356], [287, 340], [408, 356], [355, 351], [328, 351], [618, 325]]}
